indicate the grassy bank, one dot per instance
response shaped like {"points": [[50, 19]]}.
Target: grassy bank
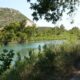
{"points": [[53, 63], [17, 32]]}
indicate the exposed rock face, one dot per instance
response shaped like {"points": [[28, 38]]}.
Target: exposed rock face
{"points": [[29, 23], [9, 15]]}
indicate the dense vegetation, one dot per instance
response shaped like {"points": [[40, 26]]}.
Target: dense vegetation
{"points": [[6, 58], [17, 32], [58, 62], [53, 63]]}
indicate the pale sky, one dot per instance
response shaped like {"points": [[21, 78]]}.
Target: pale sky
{"points": [[23, 7]]}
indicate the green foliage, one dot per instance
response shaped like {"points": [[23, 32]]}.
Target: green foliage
{"points": [[30, 31], [53, 63], [5, 60], [56, 63], [52, 10], [17, 32], [56, 33], [44, 68], [22, 68]]}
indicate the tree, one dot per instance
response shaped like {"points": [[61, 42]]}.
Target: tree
{"points": [[75, 30], [6, 58], [22, 25], [44, 67], [52, 10], [30, 32], [8, 37], [21, 37], [62, 28]]}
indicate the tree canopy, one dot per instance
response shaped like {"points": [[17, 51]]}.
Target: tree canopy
{"points": [[52, 10]]}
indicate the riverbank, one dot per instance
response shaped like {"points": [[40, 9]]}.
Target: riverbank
{"points": [[31, 45], [15, 33], [53, 63]]}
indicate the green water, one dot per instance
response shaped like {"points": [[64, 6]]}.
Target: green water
{"points": [[30, 45], [24, 48]]}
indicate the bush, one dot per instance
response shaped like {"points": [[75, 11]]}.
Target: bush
{"points": [[54, 63]]}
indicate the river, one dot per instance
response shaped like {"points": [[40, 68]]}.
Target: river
{"points": [[23, 48]]}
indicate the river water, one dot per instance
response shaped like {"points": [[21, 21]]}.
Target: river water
{"points": [[23, 49], [30, 45]]}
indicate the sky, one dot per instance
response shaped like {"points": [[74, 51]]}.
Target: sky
{"points": [[23, 7]]}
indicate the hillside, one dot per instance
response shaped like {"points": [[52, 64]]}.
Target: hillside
{"points": [[9, 15]]}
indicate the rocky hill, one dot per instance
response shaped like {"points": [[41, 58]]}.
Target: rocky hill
{"points": [[9, 15]]}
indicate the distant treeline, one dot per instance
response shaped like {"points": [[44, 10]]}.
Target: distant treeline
{"points": [[17, 32]]}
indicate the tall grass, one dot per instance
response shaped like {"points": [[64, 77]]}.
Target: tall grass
{"points": [[54, 63]]}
